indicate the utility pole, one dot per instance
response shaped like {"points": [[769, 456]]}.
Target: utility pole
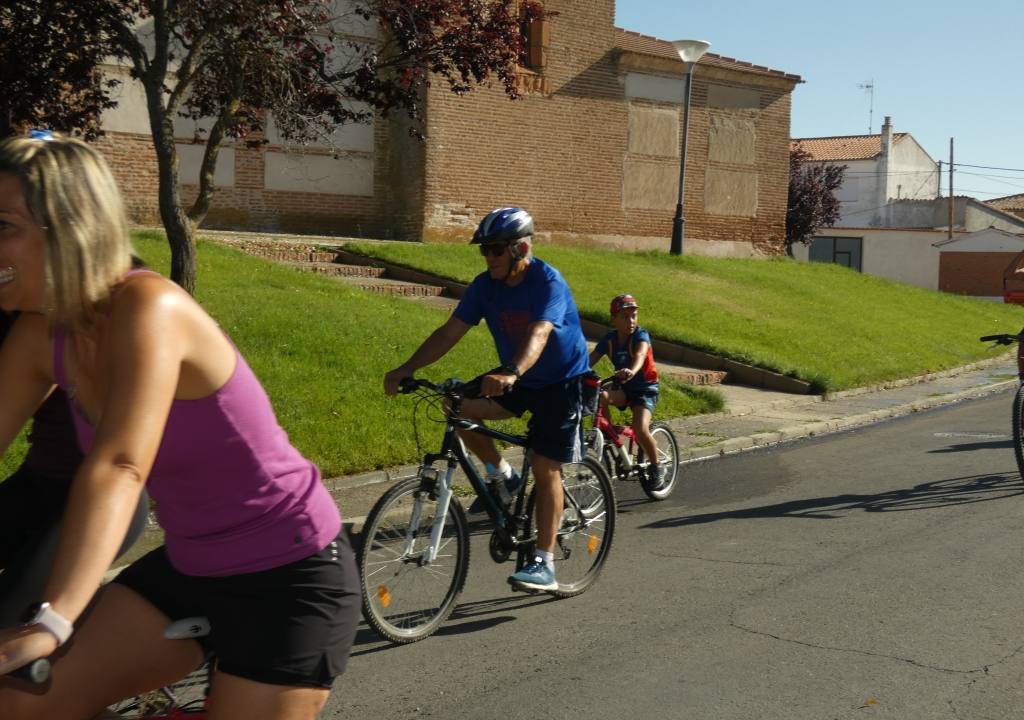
{"points": [[952, 200]]}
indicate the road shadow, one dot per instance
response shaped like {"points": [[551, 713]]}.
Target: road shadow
{"points": [[972, 446], [466, 618], [926, 496]]}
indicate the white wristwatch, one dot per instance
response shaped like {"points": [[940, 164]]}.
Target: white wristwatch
{"points": [[43, 614]]}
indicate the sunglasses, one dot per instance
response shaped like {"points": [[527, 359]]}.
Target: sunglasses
{"points": [[494, 249]]}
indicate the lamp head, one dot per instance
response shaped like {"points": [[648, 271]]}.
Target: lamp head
{"points": [[690, 51]]}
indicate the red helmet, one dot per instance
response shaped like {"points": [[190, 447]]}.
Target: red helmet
{"points": [[623, 301]]}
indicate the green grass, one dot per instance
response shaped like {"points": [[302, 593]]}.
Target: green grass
{"points": [[321, 348], [822, 323]]}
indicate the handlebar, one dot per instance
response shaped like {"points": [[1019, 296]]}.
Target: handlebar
{"points": [[37, 672], [453, 387]]}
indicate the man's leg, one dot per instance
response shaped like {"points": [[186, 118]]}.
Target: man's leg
{"points": [[547, 474], [478, 410]]}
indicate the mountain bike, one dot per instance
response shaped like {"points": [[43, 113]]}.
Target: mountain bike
{"points": [[1017, 419], [414, 556], [623, 458]]}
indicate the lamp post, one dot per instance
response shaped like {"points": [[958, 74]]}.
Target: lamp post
{"points": [[690, 51]]}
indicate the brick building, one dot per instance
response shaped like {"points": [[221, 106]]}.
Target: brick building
{"points": [[592, 150]]}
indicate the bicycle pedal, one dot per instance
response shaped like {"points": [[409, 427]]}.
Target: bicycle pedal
{"points": [[518, 587]]}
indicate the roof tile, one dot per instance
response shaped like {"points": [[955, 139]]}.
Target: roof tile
{"points": [[843, 147], [650, 45]]}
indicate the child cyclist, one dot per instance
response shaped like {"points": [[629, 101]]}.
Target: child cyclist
{"points": [[628, 347]]}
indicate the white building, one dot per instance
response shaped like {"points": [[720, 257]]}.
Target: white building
{"points": [[879, 168]]}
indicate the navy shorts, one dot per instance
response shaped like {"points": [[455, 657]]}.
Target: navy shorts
{"points": [[645, 397], [291, 625], [556, 412]]}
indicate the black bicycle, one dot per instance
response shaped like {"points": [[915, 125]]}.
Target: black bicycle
{"points": [[414, 556], [1017, 420]]}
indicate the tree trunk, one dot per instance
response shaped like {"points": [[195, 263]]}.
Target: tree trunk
{"points": [[180, 230]]}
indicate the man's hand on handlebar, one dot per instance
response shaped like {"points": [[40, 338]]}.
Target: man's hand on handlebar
{"points": [[495, 383], [394, 378]]}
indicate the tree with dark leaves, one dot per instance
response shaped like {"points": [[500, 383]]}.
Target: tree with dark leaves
{"points": [[812, 201], [49, 66], [311, 65]]}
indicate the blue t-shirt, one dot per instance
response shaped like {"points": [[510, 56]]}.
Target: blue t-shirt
{"points": [[509, 311], [622, 357]]}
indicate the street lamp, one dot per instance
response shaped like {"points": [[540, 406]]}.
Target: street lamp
{"points": [[690, 51]]}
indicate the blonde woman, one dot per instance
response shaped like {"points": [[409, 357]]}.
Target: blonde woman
{"points": [[163, 400]]}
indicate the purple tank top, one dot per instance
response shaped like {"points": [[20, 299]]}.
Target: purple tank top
{"points": [[232, 494]]}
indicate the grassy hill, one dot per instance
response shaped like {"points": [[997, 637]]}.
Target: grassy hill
{"points": [[831, 326], [321, 349]]}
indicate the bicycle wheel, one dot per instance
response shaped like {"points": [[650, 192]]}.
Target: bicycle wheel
{"points": [[406, 598], [668, 459], [183, 698], [588, 525], [1018, 429]]}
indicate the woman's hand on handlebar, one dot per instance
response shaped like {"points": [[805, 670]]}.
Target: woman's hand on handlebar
{"points": [[21, 645]]}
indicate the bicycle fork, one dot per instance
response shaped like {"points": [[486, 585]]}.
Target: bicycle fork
{"points": [[433, 484]]}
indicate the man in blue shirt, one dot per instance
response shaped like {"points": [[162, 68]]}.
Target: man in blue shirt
{"points": [[532, 316]]}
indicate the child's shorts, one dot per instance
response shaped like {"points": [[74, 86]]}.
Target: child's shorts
{"points": [[645, 397]]}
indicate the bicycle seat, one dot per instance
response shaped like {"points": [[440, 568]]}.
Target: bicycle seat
{"points": [[187, 628]]}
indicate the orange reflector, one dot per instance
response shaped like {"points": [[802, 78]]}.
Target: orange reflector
{"points": [[385, 595], [592, 544]]}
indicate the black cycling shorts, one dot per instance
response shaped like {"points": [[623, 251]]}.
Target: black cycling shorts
{"points": [[292, 625], [556, 414]]}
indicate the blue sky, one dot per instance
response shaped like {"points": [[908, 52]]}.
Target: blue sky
{"points": [[940, 69]]}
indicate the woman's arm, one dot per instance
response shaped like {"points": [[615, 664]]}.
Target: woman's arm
{"points": [[140, 362]]}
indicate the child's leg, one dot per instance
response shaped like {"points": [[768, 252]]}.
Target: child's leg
{"points": [[642, 430], [616, 397]]}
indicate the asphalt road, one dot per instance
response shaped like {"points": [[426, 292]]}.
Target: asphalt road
{"points": [[872, 574]]}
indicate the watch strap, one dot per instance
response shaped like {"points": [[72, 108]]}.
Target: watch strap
{"points": [[51, 621]]}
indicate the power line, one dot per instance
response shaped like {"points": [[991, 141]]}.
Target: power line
{"points": [[986, 167]]}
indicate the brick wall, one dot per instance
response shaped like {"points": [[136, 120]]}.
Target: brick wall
{"points": [[973, 273], [561, 155]]}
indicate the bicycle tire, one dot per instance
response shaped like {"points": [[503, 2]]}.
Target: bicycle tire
{"points": [[1018, 429], [403, 599], [189, 697], [668, 459], [583, 543]]}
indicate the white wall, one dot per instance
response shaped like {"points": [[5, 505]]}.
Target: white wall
{"points": [[906, 256], [913, 174]]}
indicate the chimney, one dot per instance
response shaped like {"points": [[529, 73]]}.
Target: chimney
{"points": [[886, 148], [882, 173]]}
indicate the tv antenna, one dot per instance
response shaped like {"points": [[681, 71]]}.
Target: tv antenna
{"points": [[869, 88]]}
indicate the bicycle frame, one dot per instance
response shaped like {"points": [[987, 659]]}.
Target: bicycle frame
{"points": [[453, 454]]}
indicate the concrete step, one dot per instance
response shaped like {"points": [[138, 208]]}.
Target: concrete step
{"points": [[693, 376], [386, 286], [338, 269]]}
